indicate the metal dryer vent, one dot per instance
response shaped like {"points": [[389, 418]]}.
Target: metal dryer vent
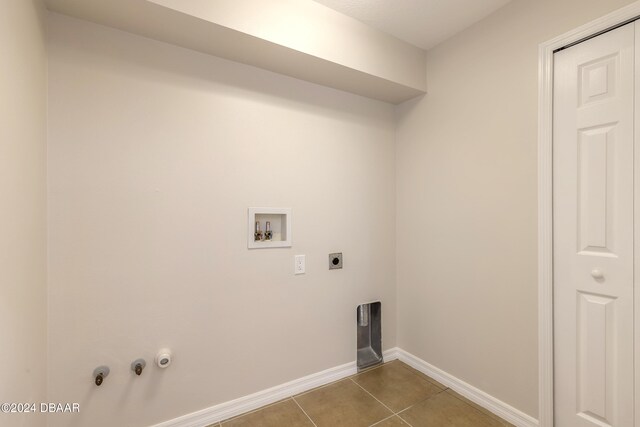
{"points": [[369, 330]]}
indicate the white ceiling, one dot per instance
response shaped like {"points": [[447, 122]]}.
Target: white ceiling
{"points": [[423, 23]]}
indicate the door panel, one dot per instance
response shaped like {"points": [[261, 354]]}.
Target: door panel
{"points": [[593, 231], [596, 203], [596, 370]]}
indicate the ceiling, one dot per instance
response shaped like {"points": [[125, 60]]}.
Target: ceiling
{"points": [[423, 23]]}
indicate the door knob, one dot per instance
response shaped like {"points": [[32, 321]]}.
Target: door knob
{"points": [[596, 273]]}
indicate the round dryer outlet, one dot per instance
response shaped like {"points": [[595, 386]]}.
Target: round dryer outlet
{"points": [[335, 261]]}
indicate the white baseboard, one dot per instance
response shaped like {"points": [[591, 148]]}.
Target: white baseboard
{"points": [[253, 401], [498, 407]]}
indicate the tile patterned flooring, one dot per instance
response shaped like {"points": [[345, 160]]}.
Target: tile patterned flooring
{"points": [[390, 395]]}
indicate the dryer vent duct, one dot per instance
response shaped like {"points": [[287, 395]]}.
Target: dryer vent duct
{"points": [[369, 331]]}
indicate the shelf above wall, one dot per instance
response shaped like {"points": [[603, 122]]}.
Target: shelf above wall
{"points": [[297, 38]]}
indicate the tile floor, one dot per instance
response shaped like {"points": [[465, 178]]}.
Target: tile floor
{"points": [[393, 394]]}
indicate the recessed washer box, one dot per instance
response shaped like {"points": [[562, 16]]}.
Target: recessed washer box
{"points": [[280, 221]]}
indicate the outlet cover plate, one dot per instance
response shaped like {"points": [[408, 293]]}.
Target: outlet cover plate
{"points": [[299, 265]]}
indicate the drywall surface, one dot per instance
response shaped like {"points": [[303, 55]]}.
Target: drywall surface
{"points": [[466, 200], [22, 208], [155, 154]]}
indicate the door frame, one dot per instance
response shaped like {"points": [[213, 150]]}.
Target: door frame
{"points": [[545, 194]]}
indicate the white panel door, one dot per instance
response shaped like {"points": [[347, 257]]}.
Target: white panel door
{"points": [[593, 231]]}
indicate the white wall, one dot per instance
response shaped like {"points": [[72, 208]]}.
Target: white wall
{"points": [[466, 200], [22, 207], [155, 154]]}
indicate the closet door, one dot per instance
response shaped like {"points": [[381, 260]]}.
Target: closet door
{"points": [[593, 231]]}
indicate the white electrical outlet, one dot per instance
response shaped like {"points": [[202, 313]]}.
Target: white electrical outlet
{"points": [[299, 265]]}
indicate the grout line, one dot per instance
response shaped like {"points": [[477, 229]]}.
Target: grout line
{"points": [[373, 368], [403, 420], [323, 386], [423, 376], [406, 409], [305, 412], [382, 420], [417, 403], [284, 399], [482, 411], [403, 410], [392, 411]]}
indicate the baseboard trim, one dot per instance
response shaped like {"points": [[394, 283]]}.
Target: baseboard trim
{"points": [[253, 401], [498, 407]]}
